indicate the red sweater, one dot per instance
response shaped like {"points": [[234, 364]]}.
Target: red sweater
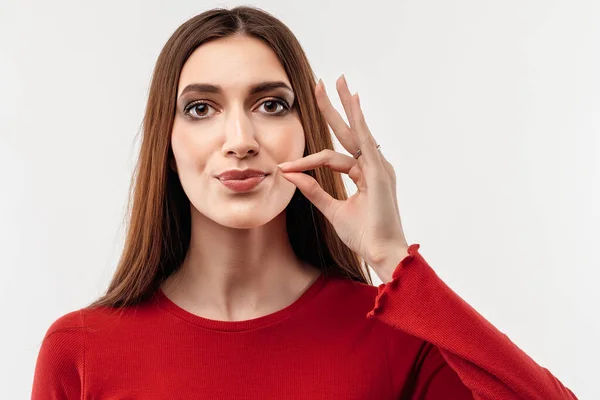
{"points": [[411, 338]]}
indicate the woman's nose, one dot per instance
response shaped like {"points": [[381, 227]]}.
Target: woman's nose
{"points": [[240, 133]]}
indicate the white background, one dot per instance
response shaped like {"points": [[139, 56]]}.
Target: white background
{"points": [[488, 110]]}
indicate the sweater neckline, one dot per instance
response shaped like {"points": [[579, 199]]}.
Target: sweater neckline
{"points": [[236, 326]]}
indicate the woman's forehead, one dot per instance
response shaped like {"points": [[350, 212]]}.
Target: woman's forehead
{"points": [[233, 63]]}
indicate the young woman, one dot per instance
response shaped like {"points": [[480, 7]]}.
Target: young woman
{"points": [[242, 275]]}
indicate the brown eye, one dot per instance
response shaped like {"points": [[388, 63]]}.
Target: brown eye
{"points": [[197, 110], [271, 106]]}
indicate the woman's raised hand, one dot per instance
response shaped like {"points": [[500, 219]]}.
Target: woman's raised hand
{"points": [[369, 221]]}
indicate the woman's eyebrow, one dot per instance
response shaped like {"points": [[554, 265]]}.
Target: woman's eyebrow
{"points": [[254, 89]]}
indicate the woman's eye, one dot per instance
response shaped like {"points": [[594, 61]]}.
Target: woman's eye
{"points": [[271, 106], [201, 110]]}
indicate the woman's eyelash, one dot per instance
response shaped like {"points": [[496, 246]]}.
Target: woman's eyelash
{"points": [[283, 103]]}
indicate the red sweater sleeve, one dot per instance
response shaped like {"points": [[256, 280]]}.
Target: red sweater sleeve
{"points": [[59, 369], [472, 350]]}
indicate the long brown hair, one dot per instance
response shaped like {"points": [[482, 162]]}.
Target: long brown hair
{"points": [[159, 223]]}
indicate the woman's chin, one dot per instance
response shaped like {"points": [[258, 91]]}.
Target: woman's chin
{"points": [[246, 219], [249, 212]]}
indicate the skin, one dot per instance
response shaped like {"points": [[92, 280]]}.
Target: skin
{"points": [[240, 264]]}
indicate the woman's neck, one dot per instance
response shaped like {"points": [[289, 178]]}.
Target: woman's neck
{"points": [[234, 274]]}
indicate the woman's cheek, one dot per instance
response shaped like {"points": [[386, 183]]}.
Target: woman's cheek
{"points": [[290, 145]]}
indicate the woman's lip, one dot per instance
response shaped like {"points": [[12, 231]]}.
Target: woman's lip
{"points": [[240, 174], [243, 185]]}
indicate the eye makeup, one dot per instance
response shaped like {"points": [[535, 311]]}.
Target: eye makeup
{"points": [[274, 88], [191, 106]]}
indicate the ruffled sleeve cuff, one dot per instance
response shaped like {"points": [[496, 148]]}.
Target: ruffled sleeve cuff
{"points": [[414, 257]]}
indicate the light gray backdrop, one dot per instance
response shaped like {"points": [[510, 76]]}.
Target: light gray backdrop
{"points": [[488, 110]]}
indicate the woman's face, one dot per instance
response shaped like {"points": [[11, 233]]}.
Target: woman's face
{"points": [[230, 126]]}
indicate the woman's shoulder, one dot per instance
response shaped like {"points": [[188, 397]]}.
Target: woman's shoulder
{"points": [[61, 354], [65, 338], [77, 322], [362, 290], [71, 322], [351, 296]]}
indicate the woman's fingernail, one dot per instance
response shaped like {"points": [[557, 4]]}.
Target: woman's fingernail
{"points": [[282, 165]]}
